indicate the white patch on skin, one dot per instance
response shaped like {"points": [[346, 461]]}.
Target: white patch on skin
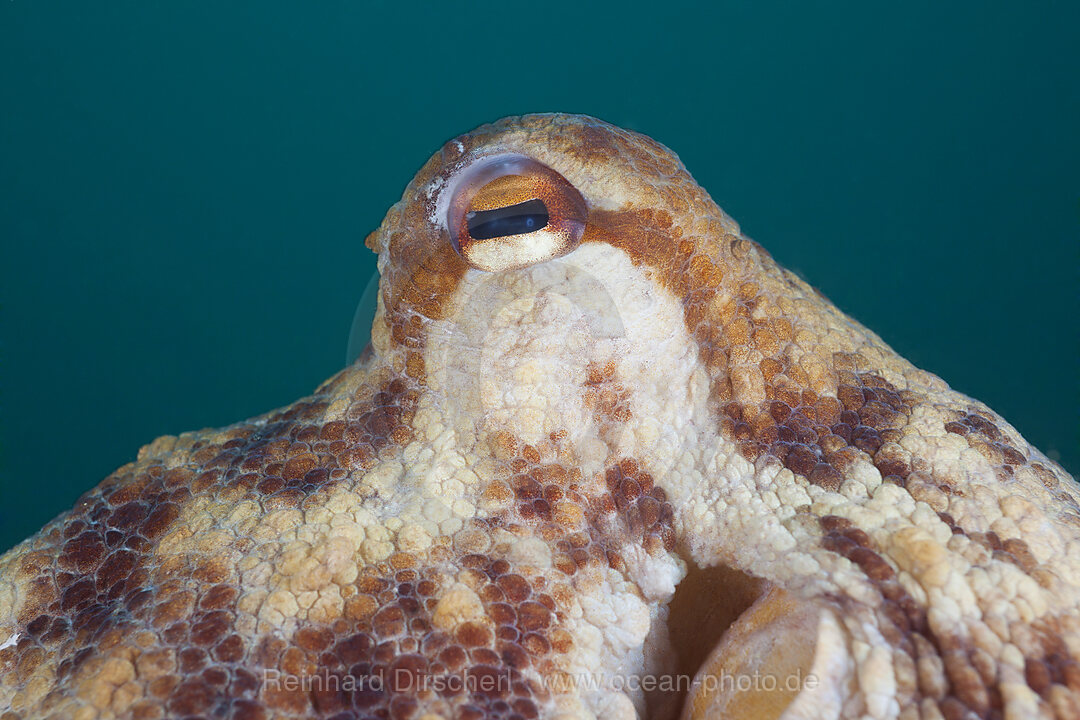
{"points": [[515, 354], [829, 680], [437, 190], [433, 187], [443, 190], [498, 254], [656, 577]]}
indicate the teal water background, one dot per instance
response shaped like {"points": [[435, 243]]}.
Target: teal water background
{"points": [[185, 187]]}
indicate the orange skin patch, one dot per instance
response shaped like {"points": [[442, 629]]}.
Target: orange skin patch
{"points": [[509, 190]]}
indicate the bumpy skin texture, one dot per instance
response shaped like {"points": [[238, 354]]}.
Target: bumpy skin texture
{"points": [[513, 479]]}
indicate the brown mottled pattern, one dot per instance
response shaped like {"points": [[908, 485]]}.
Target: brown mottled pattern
{"points": [[106, 598], [402, 524]]}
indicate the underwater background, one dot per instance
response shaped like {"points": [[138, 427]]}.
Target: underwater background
{"points": [[185, 188]]}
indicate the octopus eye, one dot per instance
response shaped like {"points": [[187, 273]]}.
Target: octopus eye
{"points": [[512, 220], [510, 211]]}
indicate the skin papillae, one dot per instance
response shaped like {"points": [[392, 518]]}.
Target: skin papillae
{"points": [[552, 491]]}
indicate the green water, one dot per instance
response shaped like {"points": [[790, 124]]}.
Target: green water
{"points": [[185, 187]]}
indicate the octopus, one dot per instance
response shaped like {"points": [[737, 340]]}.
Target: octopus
{"points": [[602, 458]]}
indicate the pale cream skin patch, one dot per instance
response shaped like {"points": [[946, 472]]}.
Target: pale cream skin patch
{"points": [[602, 459]]}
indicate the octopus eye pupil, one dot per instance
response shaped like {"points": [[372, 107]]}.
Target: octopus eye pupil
{"points": [[518, 219]]}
